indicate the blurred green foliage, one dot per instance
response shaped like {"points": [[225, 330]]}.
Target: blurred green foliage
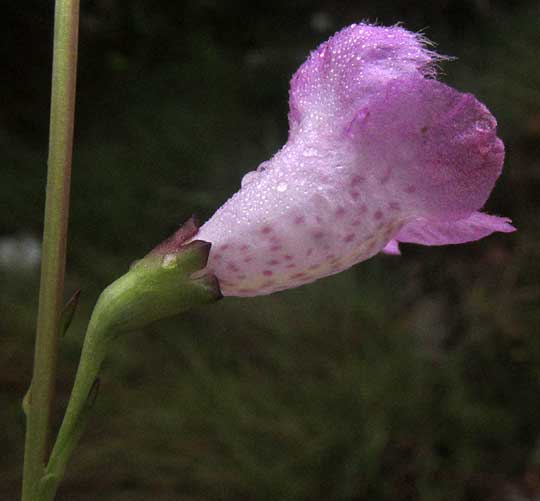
{"points": [[415, 378]]}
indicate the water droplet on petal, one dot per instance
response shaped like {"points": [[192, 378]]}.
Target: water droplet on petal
{"points": [[483, 125], [281, 187]]}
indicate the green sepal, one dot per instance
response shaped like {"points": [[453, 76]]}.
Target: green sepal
{"points": [[158, 286]]}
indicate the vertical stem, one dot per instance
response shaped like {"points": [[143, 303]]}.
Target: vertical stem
{"points": [[51, 291]]}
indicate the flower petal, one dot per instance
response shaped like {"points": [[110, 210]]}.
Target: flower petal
{"points": [[347, 70], [392, 248], [433, 149], [475, 227]]}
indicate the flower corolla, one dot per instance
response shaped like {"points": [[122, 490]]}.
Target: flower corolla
{"points": [[379, 152]]}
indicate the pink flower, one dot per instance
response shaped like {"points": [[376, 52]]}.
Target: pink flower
{"points": [[379, 152]]}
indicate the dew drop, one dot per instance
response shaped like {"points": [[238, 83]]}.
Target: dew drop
{"points": [[281, 187], [169, 261], [483, 125]]}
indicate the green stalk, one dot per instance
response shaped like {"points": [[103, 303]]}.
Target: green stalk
{"points": [[157, 286], [54, 242]]}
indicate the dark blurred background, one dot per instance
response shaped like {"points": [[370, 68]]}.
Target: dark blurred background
{"points": [[412, 378]]}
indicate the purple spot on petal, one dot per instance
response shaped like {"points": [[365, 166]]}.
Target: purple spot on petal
{"points": [[386, 176], [356, 180], [268, 273]]}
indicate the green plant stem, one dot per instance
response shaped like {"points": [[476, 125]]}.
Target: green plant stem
{"points": [[54, 242], [94, 350], [153, 288]]}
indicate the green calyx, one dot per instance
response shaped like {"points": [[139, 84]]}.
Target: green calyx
{"points": [[158, 286]]}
